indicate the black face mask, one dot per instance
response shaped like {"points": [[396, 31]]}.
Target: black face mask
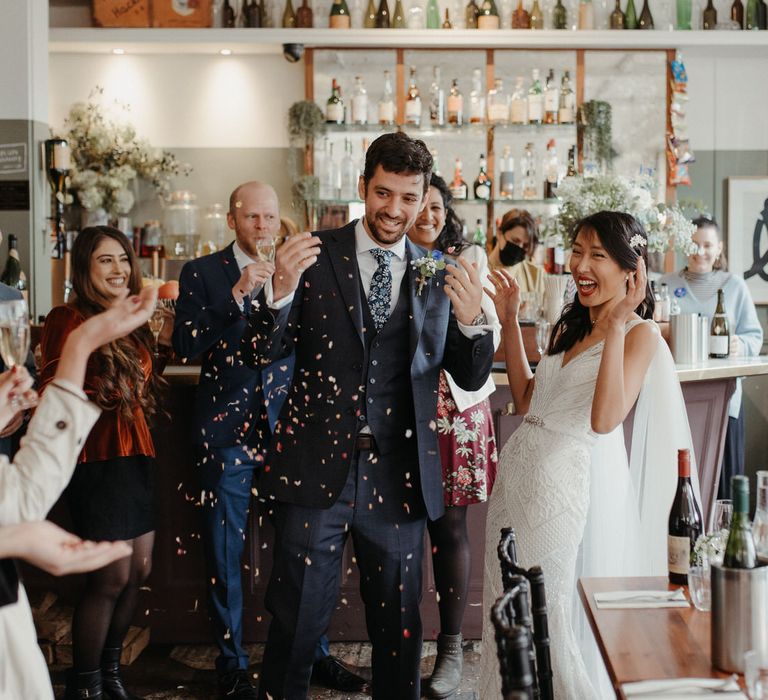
{"points": [[511, 254]]}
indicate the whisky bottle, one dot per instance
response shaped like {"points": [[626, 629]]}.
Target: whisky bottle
{"points": [[334, 109], [519, 103], [483, 186], [413, 101], [458, 187], [535, 99], [455, 104], [551, 99]]}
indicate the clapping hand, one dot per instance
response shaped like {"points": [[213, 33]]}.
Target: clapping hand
{"points": [[465, 290], [292, 258], [505, 296], [637, 284], [120, 319], [16, 395]]}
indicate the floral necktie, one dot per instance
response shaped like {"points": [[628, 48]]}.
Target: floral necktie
{"points": [[380, 294]]}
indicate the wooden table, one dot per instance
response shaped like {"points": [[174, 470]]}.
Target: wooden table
{"points": [[650, 643]]}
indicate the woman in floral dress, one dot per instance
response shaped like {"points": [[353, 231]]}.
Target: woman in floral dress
{"points": [[467, 449]]}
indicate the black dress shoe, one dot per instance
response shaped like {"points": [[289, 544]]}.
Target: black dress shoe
{"points": [[236, 685], [332, 673]]}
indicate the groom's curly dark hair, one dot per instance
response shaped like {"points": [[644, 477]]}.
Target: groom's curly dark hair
{"points": [[398, 153]]}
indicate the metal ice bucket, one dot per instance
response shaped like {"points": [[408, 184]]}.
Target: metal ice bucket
{"points": [[739, 616], [684, 338]]}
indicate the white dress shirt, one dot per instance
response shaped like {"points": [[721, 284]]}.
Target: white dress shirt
{"points": [[243, 260]]}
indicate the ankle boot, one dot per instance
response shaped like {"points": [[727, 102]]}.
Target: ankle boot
{"points": [[83, 686], [446, 675], [110, 676]]}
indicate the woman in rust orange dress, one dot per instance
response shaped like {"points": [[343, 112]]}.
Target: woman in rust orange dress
{"points": [[110, 494]]}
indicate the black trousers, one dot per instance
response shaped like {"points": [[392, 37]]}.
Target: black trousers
{"points": [[733, 454], [384, 513]]}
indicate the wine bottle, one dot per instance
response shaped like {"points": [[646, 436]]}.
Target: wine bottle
{"points": [[740, 548], [752, 15], [489, 15], [709, 18], [339, 18], [455, 104], [251, 14], [413, 101], [398, 18], [382, 15], [304, 19], [370, 16], [433, 14], [551, 99], [630, 15], [483, 185], [684, 526], [646, 18], [618, 19], [289, 16], [387, 102], [13, 275], [228, 14], [334, 108], [507, 174], [458, 186], [719, 332], [737, 13], [560, 16], [760, 523], [762, 14], [520, 17], [470, 15], [537, 16], [566, 111]]}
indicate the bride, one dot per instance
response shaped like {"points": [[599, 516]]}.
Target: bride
{"points": [[563, 482]]}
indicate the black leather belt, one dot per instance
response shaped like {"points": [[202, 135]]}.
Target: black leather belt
{"points": [[364, 442]]}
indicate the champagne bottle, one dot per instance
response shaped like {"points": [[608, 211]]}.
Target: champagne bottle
{"points": [[455, 104], [458, 186], [489, 15], [289, 16], [719, 332], [433, 14], [646, 18], [13, 275], [382, 16], [483, 186], [334, 109], [370, 16], [387, 102], [559, 16], [304, 18], [684, 526], [339, 18], [618, 19], [470, 15], [413, 101], [737, 13], [398, 18], [709, 18], [630, 15], [520, 17], [740, 549], [760, 523]]}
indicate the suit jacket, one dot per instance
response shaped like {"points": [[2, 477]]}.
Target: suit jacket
{"points": [[313, 445], [210, 325]]}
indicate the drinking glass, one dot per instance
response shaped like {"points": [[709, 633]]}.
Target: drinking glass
{"points": [[543, 328], [756, 675], [265, 249], [721, 521], [699, 586], [14, 332]]}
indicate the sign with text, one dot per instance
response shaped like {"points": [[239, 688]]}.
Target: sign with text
{"points": [[13, 158]]}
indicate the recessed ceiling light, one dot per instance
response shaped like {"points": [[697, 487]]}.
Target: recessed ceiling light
{"points": [[226, 52], [118, 52]]}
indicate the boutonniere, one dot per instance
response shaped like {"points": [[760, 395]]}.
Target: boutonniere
{"points": [[427, 268]]}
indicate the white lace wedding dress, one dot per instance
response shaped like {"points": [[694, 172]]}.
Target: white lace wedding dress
{"points": [[543, 491]]}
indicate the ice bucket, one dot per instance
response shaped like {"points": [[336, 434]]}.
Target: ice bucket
{"points": [[684, 338], [739, 616]]}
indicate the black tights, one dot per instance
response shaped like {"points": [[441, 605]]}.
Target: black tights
{"points": [[104, 613], [451, 562]]}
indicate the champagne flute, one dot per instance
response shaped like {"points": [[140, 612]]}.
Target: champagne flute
{"points": [[14, 336], [156, 322], [543, 328], [265, 249]]}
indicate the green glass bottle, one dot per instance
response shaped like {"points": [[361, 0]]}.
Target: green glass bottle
{"points": [[398, 18], [382, 16], [370, 15], [339, 18], [753, 15], [289, 16], [630, 16], [433, 14], [740, 549], [559, 16]]}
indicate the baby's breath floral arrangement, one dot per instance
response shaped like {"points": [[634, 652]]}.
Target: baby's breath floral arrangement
{"points": [[108, 156], [427, 268], [666, 226]]}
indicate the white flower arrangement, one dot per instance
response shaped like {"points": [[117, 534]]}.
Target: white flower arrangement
{"points": [[709, 549], [427, 267], [666, 226], [107, 157]]}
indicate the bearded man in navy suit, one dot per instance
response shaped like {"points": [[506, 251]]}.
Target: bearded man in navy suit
{"points": [[355, 447]]}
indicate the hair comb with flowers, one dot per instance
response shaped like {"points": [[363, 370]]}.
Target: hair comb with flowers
{"points": [[637, 241]]}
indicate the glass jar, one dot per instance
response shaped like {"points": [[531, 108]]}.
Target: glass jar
{"points": [[181, 225], [213, 232]]}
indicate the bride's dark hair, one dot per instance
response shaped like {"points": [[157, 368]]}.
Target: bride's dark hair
{"points": [[616, 232]]}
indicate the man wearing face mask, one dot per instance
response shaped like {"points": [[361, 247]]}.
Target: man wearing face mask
{"points": [[514, 249]]}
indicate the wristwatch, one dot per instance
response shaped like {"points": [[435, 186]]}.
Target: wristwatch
{"points": [[479, 320]]}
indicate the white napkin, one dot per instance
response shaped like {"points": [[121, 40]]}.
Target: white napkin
{"points": [[684, 689], [641, 599]]}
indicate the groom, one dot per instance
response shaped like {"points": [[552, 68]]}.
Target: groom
{"points": [[355, 449]]}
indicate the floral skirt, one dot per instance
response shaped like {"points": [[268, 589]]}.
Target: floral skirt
{"points": [[467, 449]]}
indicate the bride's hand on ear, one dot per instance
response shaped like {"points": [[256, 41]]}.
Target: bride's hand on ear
{"points": [[637, 284]]}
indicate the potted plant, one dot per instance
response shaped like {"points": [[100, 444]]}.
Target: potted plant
{"points": [[305, 123]]}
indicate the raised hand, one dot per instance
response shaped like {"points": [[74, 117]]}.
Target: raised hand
{"points": [[124, 316], [252, 277], [292, 258], [637, 284], [505, 295], [465, 290], [16, 395]]}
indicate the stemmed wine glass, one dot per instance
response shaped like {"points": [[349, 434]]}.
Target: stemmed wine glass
{"points": [[543, 328], [157, 320], [14, 335], [721, 521]]}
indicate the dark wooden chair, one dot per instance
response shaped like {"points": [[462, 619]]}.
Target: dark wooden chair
{"points": [[533, 616]]}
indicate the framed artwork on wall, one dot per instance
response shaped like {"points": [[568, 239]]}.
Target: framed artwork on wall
{"points": [[747, 233]]}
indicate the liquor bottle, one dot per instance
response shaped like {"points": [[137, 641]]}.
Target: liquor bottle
{"points": [[433, 14], [520, 17], [709, 18], [586, 14], [413, 101], [762, 14], [483, 187], [359, 102], [519, 103], [559, 16], [551, 99], [665, 302], [369, 22], [436, 99], [646, 18], [470, 15], [349, 174], [507, 174], [630, 16], [339, 18], [458, 187], [251, 14], [13, 275], [327, 186], [289, 16], [455, 104], [479, 237], [684, 524], [498, 103], [566, 112], [752, 15], [618, 19], [535, 99], [304, 18], [435, 162], [530, 186], [477, 98], [334, 109], [537, 17], [398, 18], [737, 13], [489, 15], [387, 102], [760, 523], [571, 162], [740, 548], [264, 17], [382, 15], [228, 18], [552, 171], [719, 332], [447, 21]]}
